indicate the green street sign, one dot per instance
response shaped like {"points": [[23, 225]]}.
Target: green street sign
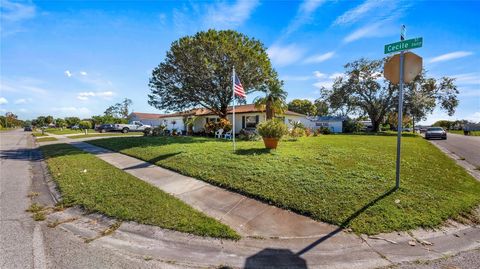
{"points": [[404, 45]]}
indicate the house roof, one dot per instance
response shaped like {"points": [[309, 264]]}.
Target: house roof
{"points": [[250, 108], [149, 116]]}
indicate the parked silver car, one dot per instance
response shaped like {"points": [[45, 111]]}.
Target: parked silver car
{"points": [[435, 132]]}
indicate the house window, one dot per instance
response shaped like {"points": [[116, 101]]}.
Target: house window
{"points": [[251, 121]]}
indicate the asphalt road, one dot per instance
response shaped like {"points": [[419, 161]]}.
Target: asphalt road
{"points": [[25, 243], [467, 147]]}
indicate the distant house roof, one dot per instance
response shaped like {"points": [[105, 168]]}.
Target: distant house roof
{"points": [[150, 116], [329, 118], [250, 108]]}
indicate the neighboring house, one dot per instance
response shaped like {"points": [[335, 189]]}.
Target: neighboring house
{"points": [[334, 123], [246, 116], [146, 118]]}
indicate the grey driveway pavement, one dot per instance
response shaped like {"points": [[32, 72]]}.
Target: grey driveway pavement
{"points": [[467, 147]]}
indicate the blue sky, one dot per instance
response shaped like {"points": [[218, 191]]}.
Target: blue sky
{"points": [[68, 58]]}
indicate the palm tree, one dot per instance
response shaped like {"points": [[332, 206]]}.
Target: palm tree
{"points": [[274, 101]]}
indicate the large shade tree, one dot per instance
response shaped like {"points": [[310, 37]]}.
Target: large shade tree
{"points": [[363, 90], [302, 106], [197, 71]]}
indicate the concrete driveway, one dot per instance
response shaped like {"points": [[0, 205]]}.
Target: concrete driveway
{"points": [[467, 147]]}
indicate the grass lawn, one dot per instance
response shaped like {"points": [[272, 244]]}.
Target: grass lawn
{"points": [[97, 186], [37, 134], [58, 131], [460, 132], [45, 139], [340, 179], [103, 134]]}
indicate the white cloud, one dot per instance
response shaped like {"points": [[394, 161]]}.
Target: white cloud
{"points": [[319, 75], [467, 78], [72, 111], [475, 117], [84, 96], [22, 101], [304, 15], [68, 73], [83, 73], [362, 10], [450, 56], [319, 57], [323, 84], [285, 55], [336, 75], [23, 110], [14, 11], [326, 80], [3, 101], [370, 30], [225, 16], [380, 19], [22, 85]]}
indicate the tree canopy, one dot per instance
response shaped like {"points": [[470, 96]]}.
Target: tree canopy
{"points": [[302, 106], [197, 71], [274, 100], [363, 91]]}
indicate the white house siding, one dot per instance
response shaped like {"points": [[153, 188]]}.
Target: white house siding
{"points": [[168, 121], [199, 124], [152, 122]]}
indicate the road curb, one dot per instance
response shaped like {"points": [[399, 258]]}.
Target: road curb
{"points": [[468, 166]]}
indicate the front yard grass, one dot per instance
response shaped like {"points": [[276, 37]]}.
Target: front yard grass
{"points": [[97, 186], [342, 179], [45, 139], [103, 134], [58, 131], [460, 132]]}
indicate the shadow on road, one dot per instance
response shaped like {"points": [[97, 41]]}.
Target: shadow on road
{"points": [[275, 258]]}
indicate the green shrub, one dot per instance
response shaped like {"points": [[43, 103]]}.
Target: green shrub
{"points": [[297, 132], [84, 124], [248, 135], [272, 129]]}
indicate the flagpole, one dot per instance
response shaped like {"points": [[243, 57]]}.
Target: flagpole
{"points": [[233, 116]]}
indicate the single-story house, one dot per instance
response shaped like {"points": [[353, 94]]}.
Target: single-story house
{"points": [[146, 118], [334, 123], [246, 116]]}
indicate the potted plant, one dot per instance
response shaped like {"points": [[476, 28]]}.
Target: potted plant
{"points": [[271, 131]]}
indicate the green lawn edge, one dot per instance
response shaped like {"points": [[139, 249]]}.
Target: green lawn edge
{"points": [[45, 139], [357, 208], [87, 181]]}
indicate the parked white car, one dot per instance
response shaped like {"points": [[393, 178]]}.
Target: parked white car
{"points": [[134, 126]]}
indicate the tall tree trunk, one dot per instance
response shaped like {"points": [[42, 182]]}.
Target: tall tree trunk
{"points": [[269, 110]]}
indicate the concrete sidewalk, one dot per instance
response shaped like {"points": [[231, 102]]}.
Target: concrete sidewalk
{"points": [[247, 216]]}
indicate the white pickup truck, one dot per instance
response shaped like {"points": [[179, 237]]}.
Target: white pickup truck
{"points": [[134, 126]]}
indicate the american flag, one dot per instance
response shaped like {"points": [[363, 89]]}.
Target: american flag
{"points": [[238, 89]]}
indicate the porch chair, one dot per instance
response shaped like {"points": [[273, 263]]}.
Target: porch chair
{"points": [[218, 134], [228, 135]]}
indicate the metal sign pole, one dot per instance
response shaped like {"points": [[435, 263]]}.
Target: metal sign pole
{"points": [[400, 114]]}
